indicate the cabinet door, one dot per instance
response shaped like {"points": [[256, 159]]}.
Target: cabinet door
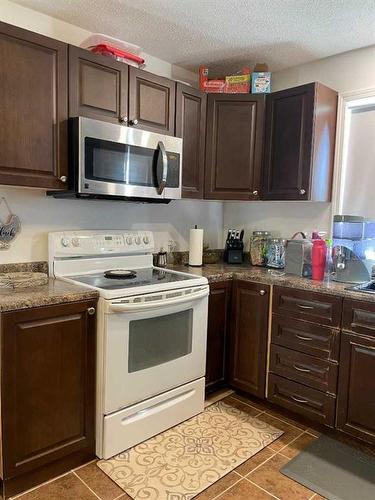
{"points": [[218, 312], [151, 102], [191, 126], [288, 143], [249, 334], [47, 386], [33, 109], [234, 146], [98, 86], [356, 402]]}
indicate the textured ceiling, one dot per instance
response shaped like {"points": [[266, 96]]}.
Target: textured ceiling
{"points": [[225, 33]]}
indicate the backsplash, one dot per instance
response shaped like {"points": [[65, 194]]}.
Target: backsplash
{"points": [[40, 215], [281, 218]]}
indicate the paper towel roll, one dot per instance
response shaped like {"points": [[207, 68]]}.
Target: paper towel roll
{"points": [[195, 247]]}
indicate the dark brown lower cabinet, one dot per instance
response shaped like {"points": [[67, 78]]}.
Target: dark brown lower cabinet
{"points": [[47, 392], [248, 337], [356, 401], [217, 338]]}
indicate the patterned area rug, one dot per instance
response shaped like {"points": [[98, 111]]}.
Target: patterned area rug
{"points": [[185, 460]]}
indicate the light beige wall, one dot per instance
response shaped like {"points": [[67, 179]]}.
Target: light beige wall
{"points": [[354, 70], [40, 215]]}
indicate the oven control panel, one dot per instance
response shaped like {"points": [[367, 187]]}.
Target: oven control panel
{"points": [[83, 243]]}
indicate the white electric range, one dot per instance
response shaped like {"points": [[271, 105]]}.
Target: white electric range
{"points": [[151, 333]]}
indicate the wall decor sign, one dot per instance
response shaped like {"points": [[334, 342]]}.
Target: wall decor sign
{"points": [[9, 228]]}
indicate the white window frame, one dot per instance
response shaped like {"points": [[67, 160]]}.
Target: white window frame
{"points": [[347, 101]]}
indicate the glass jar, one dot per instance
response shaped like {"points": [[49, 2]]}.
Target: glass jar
{"points": [[276, 253], [258, 247]]}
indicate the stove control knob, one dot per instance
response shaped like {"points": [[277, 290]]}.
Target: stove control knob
{"points": [[129, 240], [146, 240], [64, 242], [75, 242], [138, 240]]}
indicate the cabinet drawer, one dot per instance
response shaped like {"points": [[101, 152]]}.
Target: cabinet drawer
{"points": [[310, 338], [310, 306], [316, 405], [314, 372], [359, 317]]}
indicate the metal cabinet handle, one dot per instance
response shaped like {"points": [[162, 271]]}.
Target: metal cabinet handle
{"points": [[91, 311], [301, 337], [298, 368], [133, 122], [63, 178], [123, 120], [255, 192], [302, 191], [262, 292], [299, 400], [305, 307]]}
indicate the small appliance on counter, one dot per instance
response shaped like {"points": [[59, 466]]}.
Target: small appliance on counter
{"points": [[298, 256], [234, 247], [353, 249]]}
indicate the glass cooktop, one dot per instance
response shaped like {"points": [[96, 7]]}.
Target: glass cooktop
{"points": [[137, 277]]}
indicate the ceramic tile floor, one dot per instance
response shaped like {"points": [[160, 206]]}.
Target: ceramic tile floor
{"points": [[257, 478]]}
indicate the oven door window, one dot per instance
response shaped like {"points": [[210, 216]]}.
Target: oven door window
{"points": [[120, 163], [155, 341]]}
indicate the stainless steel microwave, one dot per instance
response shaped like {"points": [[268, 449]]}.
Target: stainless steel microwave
{"points": [[115, 161]]}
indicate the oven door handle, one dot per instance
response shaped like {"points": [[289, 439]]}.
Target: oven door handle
{"points": [[141, 306], [164, 175]]}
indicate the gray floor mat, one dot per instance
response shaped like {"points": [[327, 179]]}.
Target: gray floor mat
{"points": [[334, 470]]}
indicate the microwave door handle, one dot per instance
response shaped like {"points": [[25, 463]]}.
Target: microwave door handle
{"points": [[163, 181]]}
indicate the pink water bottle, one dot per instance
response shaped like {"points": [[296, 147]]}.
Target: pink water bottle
{"points": [[318, 259]]}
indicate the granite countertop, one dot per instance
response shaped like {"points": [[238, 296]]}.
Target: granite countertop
{"points": [[54, 292], [222, 272]]}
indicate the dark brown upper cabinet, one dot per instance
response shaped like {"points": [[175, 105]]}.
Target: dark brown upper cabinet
{"points": [[299, 143], [151, 102], [217, 334], [234, 140], [248, 337], [191, 126], [47, 392], [33, 109], [98, 86]]}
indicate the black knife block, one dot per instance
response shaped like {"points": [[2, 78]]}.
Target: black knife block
{"points": [[233, 251]]}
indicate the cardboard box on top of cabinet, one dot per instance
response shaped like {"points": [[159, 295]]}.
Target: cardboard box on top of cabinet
{"points": [[233, 84], [261, 80]]}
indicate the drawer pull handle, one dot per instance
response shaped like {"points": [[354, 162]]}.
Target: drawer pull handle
{"points": [[299, 400], [298, 368], [301, 306], [301, 337]]}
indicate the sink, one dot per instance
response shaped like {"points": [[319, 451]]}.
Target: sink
{"points": [[368, 287]]}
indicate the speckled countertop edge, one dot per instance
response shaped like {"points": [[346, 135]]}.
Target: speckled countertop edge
{"points": [[53, 293], [223, 272]]}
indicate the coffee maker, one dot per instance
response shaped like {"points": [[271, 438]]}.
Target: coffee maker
{"points": [[353, 251]]}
